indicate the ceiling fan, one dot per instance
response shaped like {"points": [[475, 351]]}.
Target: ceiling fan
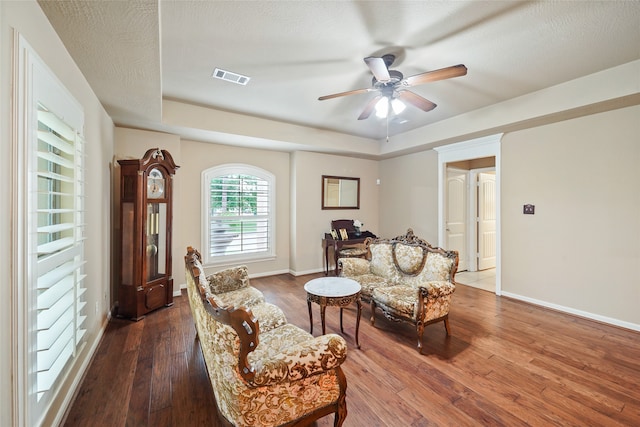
{"points": [[392, 85]]}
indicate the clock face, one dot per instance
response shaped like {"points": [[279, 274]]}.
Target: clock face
{"points": [[155, 184]]}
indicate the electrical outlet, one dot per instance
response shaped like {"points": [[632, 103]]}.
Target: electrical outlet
{"points": [[529, 209]]}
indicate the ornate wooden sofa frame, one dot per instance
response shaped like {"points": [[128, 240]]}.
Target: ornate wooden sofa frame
{"points": [[280, 376], [407, 279]]}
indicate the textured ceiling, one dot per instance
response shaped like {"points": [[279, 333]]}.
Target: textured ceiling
{"points": [[136, 53]]}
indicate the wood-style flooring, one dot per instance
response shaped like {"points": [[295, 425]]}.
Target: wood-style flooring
{"points": [[507, 363]]}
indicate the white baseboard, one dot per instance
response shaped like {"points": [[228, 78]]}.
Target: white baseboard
{"points": [[302, 273], [575, 312]]}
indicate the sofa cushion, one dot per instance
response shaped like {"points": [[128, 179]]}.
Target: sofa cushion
{"points": [[436, 269], [243, 297], [400, 300], [382, 262], [369, 282], [229, 279], [269, 316], [277, 341]]}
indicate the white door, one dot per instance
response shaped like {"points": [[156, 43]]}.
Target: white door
{"points": [[456, 214], [486, 221]]}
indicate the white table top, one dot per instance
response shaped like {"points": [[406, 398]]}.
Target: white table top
{"points": [[332, 287]]}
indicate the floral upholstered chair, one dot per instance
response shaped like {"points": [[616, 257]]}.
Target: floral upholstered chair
{"points": [[262, 377], [407, 279]]}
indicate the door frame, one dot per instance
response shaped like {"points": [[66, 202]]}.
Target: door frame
{"points": [[488, 146]]}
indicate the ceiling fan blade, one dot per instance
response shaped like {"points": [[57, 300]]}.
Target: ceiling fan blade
{"points": [[378, 68], [441, 74], [368, 109], [350, 92], [416, 100]]}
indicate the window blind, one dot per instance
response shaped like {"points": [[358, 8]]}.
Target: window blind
{"points": [[238, 213], [58, 208]]}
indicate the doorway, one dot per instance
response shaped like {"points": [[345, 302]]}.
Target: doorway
{"points": [[470, 213], [469, 221]]}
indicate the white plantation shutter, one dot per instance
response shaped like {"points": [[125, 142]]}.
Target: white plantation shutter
{"points": [[48, 256], [57, 209], [238, 213]]}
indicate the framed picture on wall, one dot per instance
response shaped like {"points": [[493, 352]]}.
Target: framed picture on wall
{"points": [[343, 234], [334, 234]]}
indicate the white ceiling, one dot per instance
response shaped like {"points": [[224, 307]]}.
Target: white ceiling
{"points": [[137, 53]]}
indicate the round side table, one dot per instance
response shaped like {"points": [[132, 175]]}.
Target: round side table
{"points": [[333, 291]]}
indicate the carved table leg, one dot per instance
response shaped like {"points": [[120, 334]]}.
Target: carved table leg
{"points": [[359, 304], [323, 307], [310, 317]]}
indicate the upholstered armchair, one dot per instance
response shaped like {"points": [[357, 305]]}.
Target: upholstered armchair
{"points": [[407, 279], [262, 377]]}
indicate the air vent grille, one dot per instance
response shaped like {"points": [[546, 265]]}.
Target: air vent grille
{"points": [[230, 77]]}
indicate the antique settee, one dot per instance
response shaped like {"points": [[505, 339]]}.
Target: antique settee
{"points": [[264, 371], [407, 279]]}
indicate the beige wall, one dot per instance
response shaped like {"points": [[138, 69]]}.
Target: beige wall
{"points": [[581, 249], [409, 195], [27, 18], [309, 220], [579, 252]]}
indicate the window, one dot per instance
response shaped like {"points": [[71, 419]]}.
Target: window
{"points": [[238, 214], [50, 255]]}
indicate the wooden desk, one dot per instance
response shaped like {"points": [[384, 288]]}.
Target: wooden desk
{"points": [[330, 242]]}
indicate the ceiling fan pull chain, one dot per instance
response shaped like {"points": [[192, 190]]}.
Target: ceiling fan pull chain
{"points": [[387, 127]]}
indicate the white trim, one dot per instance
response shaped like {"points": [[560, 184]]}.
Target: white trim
{"points": [[305, 272], [488, 146], [573, 311], [19, 174]]}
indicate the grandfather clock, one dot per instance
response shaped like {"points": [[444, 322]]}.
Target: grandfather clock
{"points": [[146, 193]]}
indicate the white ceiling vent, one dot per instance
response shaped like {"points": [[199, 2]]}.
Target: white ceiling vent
{"points": [[230, 77]]}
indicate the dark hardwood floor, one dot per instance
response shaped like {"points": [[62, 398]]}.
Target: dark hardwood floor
{"points": [[507, 363]]}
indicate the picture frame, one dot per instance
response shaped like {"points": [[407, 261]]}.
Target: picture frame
{"points": [[334, 234], [343, 234]]}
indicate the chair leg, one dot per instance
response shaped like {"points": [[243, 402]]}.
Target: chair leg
{"points": [[373, 312], [446, 325], [420, 330], [341, 413]]}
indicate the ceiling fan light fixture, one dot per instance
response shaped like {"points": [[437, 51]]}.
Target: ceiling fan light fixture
{"points": [[382, 107], [397, 106]]}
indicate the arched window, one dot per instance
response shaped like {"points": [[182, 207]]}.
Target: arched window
{"points": [[238, 214]]}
